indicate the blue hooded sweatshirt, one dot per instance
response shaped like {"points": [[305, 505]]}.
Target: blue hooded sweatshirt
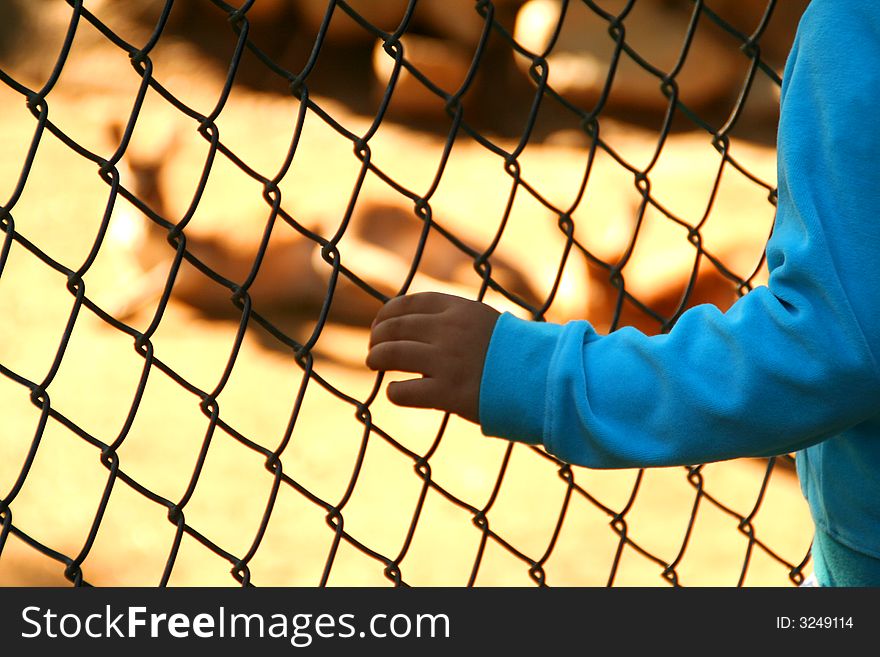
{"points": [[791, 366]]}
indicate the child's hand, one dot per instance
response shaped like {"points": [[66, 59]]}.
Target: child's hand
{"points": [[443, 338]]}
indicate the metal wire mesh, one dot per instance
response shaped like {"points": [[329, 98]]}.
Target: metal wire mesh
{"points": [[332, 249]]}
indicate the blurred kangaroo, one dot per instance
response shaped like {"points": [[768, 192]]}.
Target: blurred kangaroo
{"points": [[293, 277]]}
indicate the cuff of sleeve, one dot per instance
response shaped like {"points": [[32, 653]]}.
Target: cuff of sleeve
{"points": [[514, 382]]}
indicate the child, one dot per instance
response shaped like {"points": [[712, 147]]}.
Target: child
{"points": [[792, 366]]}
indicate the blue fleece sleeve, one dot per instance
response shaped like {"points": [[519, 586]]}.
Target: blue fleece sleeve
{"points": [[789, 364]]}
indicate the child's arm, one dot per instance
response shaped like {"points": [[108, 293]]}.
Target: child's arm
{"points": [[787, 366]]}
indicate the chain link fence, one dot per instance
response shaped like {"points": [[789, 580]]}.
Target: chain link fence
{"points": [[515, 86]]}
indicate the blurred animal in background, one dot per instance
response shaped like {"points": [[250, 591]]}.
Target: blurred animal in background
{"points": [[292, 276]]}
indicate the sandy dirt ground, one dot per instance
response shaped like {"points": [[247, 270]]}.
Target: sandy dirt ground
{"points": [[60, 211]]}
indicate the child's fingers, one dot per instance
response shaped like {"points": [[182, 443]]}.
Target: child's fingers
{"points": [[417, 393], [428, 303], [403, 356], [419, 328]]}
